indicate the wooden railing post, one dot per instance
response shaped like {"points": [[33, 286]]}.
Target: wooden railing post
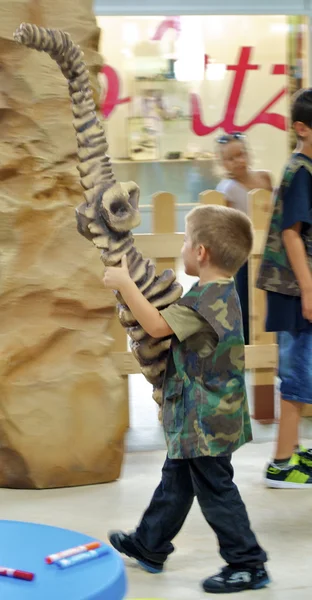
{"points": [[212, 197], [260, 202], [164, 221]]}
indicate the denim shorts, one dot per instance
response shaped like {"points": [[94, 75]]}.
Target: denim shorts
{"points": [[295, 364]]}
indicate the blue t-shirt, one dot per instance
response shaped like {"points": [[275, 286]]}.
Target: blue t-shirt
{"points": [[285, 312]]}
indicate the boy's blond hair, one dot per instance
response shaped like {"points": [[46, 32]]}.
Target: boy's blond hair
{"points": [[226, 232]]}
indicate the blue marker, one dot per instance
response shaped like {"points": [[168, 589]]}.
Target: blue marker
{"points": [[64, 563]]}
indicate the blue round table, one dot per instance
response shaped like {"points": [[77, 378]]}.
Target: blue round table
{"points": [[24, 546]]}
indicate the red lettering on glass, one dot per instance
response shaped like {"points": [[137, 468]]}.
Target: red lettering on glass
{"points": [[111, 99], [169, 23], [279, 70], [228, 123]]}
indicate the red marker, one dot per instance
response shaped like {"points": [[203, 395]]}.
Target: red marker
{"points": [[16, 574], [71, 552]]}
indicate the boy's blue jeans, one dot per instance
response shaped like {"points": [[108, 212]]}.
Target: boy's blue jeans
{"points": [[295, 364]]}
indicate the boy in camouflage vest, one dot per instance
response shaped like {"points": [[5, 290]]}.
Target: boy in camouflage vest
{"points": [[286, 275], [205, 410]]}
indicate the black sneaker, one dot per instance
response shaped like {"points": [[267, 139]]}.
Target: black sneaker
{"points": [[231, 580], [125, 545]]}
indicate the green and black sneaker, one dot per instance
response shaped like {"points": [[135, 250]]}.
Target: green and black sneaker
{"points": [[303, 456], [295, 476]]}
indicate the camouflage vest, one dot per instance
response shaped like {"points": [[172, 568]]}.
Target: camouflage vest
{"points": [[205, 408], [276, 274]]}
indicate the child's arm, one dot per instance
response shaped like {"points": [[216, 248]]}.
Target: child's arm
{"points": [[267, 180], [149, 317], [221, 187], [298, 259]]}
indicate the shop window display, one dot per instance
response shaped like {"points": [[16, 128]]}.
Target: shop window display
{"points": [[171, 85]]}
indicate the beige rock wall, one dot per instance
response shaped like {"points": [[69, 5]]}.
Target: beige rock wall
{"points": [[63, 406]]}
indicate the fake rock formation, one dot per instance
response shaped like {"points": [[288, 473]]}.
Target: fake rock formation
{"points": [[63, 407]]}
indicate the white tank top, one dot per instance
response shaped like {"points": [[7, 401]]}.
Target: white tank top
{"points": [[235, 193]]}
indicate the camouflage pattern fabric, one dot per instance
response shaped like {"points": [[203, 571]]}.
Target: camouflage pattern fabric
{"points": [[205, 408], [276, 273]]}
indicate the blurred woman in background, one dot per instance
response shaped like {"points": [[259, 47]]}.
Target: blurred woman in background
{"points": [[240, 179]]}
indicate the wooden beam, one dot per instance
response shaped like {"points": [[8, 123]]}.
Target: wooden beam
{"points": [[259, 240], [164, 223], [257, 357], [260, 204], [162, 245], [159, 245]]}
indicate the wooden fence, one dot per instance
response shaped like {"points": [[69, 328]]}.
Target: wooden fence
{"points": [[164, 245]]}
